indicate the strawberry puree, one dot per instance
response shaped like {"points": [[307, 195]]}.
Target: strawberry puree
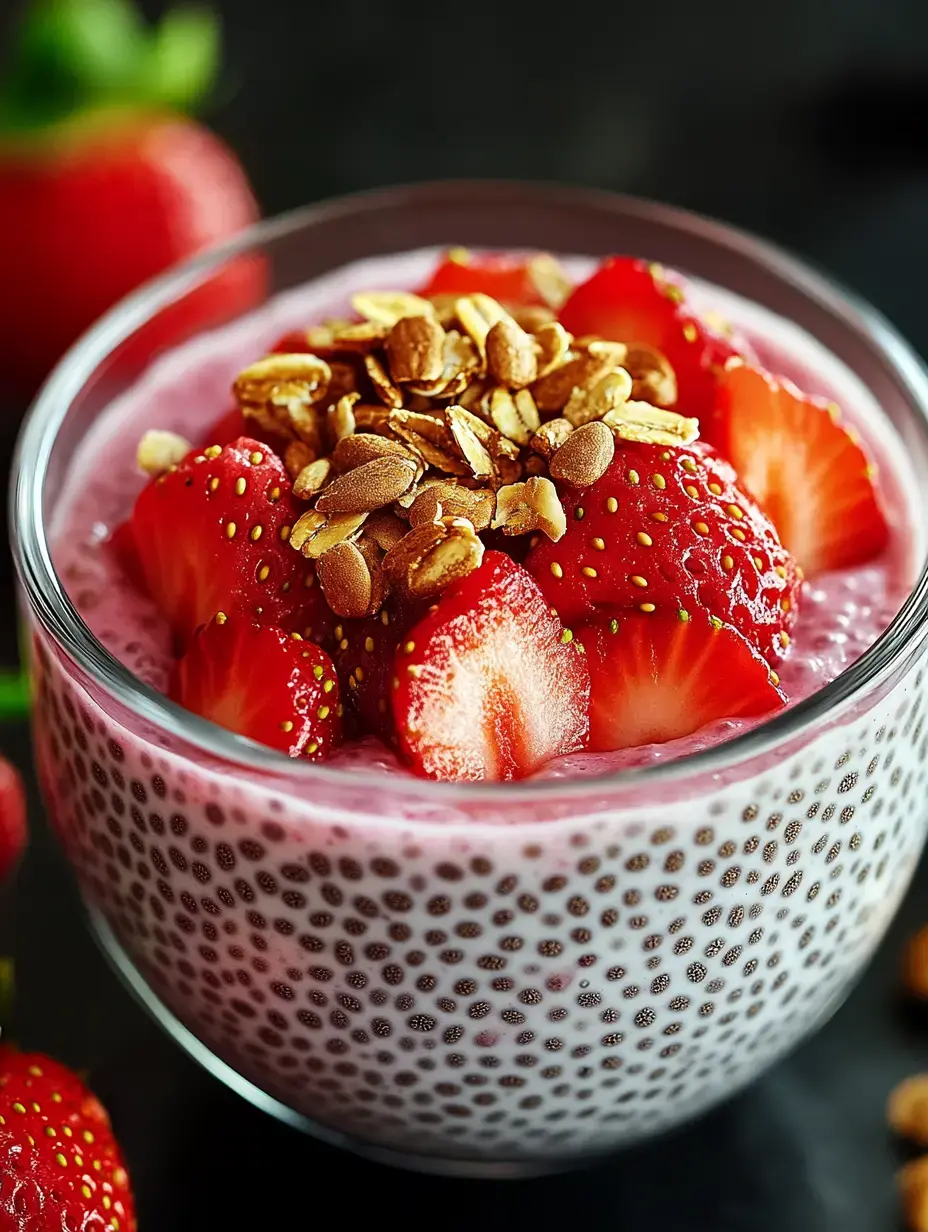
{"points": [[842, 613]]}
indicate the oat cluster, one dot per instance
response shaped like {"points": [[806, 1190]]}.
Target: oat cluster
{"points": [[428, 423]]}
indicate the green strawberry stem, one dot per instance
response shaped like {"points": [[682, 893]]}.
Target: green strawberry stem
{"points": [[76, 57], [14, 694]]}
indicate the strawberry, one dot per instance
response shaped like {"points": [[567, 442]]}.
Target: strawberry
{"points": [[511, 280], [60, 1165], [663, 676], [808, 471], [210, 537], [488, 684], [103, 183], [12, 817], [265, 684], [364, 655], [669, 528], [635, 301]]}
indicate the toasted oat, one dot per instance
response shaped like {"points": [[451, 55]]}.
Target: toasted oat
{"points": [[280, 380], [312, 479], [371, 417], [523, 508], [387, 307], [385, 529], [304, 421], [532, 316], [459, 363], [468, 433], [314, 534], [415, 349], [340, 417], [384, 388], [516, 418], [352, 451], [552, 392], [368, 487], [550, 279], [345, 378], [915, 965], [477, 314], [907, 1109], [912, 1181], [453, 500], [345, 579], [159, 451], [432, 555], [585, 455], [553, 343], [298, 455], [431, 438], [363, 337], [639, 421], [606, 394], [653, 379], [511, 354], [551, 436]]}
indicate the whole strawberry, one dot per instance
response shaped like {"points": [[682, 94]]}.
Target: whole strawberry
{"points": [[104, 183], [61, 1169], [12, 817]]}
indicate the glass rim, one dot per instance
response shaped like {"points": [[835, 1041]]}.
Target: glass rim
{"points": [[58, 615]]}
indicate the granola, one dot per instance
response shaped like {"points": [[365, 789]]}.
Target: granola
{"points": [[425, 424]]}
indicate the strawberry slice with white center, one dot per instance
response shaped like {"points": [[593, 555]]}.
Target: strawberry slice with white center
{"points": [[634, 301], [489, 685], [809, 471], [263, 683], [211, 536], [655, 678]]}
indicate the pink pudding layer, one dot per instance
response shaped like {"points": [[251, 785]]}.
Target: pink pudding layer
{"points": [[841, 615]]}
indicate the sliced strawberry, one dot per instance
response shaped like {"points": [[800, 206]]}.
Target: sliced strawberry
{"points": [[263, 683], [655, 678], [486, 685], [506, 278], [365, 651], [665, 529], [810, 472], [210, 537], [635, 301]]}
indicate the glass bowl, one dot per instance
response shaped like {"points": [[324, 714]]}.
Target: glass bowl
{"points": [[482, 979]]}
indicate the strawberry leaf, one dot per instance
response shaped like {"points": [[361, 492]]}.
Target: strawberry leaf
{"points": [[183, 60], [72, 58]]}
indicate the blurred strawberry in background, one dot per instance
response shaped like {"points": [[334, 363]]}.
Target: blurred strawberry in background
{"points": [[105, 181], [12, 819]]}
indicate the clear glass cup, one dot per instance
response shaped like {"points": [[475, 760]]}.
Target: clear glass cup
{"points": [[481, 979]]}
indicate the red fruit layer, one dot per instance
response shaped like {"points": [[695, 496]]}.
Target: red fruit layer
{"points": [[666, 529], [211, 538], [263, 683], [655, 678], [808, 471], [486, 685], [635, 301]]}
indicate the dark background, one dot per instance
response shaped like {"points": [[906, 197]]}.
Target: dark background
{"points": [[804, 120]]}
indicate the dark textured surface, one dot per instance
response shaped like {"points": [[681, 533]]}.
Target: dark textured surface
{"points": [[761, 115]]}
